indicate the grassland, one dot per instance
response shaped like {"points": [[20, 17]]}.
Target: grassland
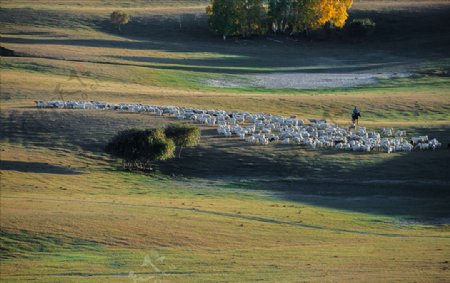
{"points": [[225, 211]]}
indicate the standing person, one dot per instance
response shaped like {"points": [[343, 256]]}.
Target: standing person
{"points": [[355, 115]]}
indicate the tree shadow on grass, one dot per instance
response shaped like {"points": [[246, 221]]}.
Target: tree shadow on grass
{"points": [[157, 32], [36, 167], [412, 185], [75, 130], [240, 61]]}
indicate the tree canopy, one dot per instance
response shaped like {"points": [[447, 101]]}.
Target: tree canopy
{"points": [[140, 147], [237, 17], [247, 17], [183, 135], [119, 18]]}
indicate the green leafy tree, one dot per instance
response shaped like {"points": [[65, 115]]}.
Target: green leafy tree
{"points": [[279, 12], [183, 135], [119, 18], [252, 17], [237, 17], [223, 17], [140, 147]]}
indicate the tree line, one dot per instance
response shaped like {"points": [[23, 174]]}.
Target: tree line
{"points": [[257, 17]]}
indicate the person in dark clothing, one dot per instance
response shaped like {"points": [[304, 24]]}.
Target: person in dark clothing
{"points": [[355, 115]]}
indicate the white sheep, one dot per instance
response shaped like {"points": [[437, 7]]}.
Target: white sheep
{"points": [[264, 128]]}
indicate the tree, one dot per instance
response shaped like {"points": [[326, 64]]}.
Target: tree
{"points": [[280, 12], [252, 17], [303, 15], [332, 11], [183, 135], [119, 18], [138, 148], [237, 17], [222, 17]]}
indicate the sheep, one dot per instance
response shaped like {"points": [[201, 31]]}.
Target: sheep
{"points": [[251, 139], [40, 104], [400, 133], [365, 148], [407, 147], [374, 135], [434, 144], [264, 141], [263, 128], [424, 146], [339, 146], [273, 138], [387, 131], [420, 139]]}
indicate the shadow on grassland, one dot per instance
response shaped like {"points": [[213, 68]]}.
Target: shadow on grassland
{"points": [[411, 184], [35, 167], [239, 61], [400, 37], [76, 130]]}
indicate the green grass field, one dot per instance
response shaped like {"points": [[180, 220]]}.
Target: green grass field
{"points": [[226, 211]]}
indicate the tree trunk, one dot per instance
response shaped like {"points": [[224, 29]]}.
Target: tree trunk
{"points": [[179, 152]]}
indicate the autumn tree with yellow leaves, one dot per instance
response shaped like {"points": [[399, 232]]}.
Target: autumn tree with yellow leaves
{"points": [[332, 11], [301, 15]]}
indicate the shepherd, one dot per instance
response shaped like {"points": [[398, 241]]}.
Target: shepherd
{"points": [[355, 115]]}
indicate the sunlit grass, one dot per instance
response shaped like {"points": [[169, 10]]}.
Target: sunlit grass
{"points": [[405, 102], [226, 211], [70, 226]]}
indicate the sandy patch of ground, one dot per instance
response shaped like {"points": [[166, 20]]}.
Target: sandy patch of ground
{"points": [[303, 80]]}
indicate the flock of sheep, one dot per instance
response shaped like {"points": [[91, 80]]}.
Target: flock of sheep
{"points": [[266, 128]]}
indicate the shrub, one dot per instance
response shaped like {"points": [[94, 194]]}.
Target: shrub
{"points": [[183, 135], [360, 28], [119, 18], [139, 148]]}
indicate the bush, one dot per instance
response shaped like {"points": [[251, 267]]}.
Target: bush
{"points": [[119, 18], [183, 135], [138, 148], [360, 28]]}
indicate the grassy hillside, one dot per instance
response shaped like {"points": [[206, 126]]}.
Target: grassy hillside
{"points": [[154, 55], [226, 211], [64, 203]]}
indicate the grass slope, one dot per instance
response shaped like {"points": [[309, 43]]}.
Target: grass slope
{"points": [[226, 211]]}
